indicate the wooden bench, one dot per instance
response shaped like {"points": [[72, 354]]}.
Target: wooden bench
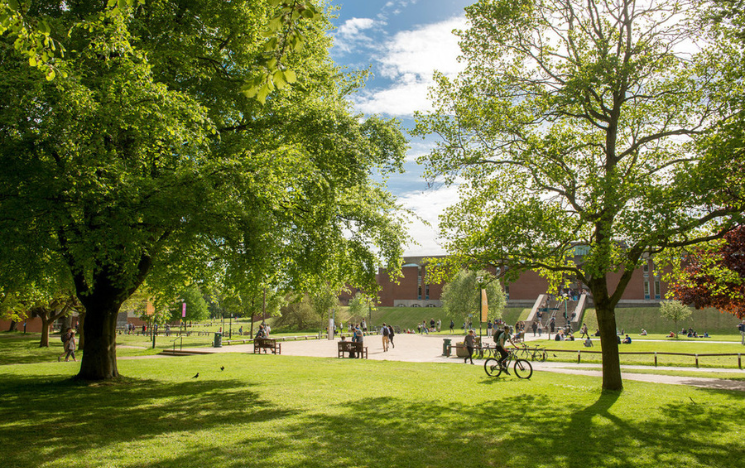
{"points": [[267, 343], [352, 348]]}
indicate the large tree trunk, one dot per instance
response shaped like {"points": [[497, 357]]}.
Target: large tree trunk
{"points": [[102, 300], [45, 323], [13, 326], [99, 358], [608, 339]]}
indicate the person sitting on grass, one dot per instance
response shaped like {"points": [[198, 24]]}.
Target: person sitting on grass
{"points": [[588, 343], [671, 335], [627, 340], [643, 333]]}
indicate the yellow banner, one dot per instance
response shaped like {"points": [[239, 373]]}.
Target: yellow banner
{"points": [[484, 306], [150, 308]]}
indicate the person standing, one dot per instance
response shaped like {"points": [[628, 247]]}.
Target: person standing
{"points": [[489, 328], [585, 333], [384, 334], [540, 328], [741, 327], [70, 347], [535, 327], [391, 333], [452, 325], [424, 327], [552, 324], [470, 342], [65, 338]]}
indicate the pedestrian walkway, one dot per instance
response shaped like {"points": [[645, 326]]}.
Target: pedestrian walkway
{"points": [[428, 348]]}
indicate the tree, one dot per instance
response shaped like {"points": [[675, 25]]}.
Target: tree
{"points": [[583, 126], [298, 315], [713, 275], [196, 306], [147, 166], [324, 302], [461, 297], [675, 311], [359, 306]]}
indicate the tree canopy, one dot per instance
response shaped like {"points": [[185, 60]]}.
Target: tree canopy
{"points": [[147, 164], [713, 275], [462, 295], [585, 137]]}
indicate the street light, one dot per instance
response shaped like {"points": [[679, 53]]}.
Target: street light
{"points": [[479, 281]]}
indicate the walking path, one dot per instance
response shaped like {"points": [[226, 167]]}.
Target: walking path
{"points": [[425, 348]]}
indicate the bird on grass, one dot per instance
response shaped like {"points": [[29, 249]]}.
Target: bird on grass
{"points": [[222, 367], [196, 376], [554, 355]]}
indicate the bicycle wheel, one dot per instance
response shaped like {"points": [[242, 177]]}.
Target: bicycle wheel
{"points": [[492, 367], [523, 369]]}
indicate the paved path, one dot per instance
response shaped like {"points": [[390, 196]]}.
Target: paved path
{"points": [[424, 348]]}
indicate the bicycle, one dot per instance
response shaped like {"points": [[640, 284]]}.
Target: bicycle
{"points": [[522, 368], [535, 353]]}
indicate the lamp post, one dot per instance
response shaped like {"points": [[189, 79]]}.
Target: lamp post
{"points": [[479, 281], [230, 330]]}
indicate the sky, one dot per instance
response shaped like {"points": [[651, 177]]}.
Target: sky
{"points": [[403, 42]]}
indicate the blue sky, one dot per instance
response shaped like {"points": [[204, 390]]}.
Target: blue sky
{"points": [[402, 42]]}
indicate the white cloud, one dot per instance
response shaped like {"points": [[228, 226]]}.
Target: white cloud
{"points": [[409, 60], [349, 35], [428, 205]]}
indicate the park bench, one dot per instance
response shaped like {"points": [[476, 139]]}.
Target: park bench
{"points": [[352, 347], [267, 343]]}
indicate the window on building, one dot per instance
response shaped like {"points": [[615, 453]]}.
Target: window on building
{"points": [[426, 291], [657, 294], [646, 289], [419, 293]]}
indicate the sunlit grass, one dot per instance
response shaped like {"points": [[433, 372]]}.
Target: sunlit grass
{"points": [[312, 412]]}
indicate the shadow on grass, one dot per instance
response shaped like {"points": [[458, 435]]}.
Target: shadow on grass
{"points": [[523, 425], [70, 416]]}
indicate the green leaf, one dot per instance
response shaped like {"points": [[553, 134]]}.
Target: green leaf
{"points": [[32, 61], [290, 76]]}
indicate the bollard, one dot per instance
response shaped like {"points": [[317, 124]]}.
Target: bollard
{"points": [[739, 361], [696, 360], [655, 358], [578, 355]]}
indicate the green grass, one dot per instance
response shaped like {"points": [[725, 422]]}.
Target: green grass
{"points": [[734, 375], [632, 320], [671, 346], [309, 412]]}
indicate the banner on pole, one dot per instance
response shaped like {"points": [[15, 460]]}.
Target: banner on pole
{"points": [[183, 309], [149, 308], [484, 306]]}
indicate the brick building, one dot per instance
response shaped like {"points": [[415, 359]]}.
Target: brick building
{"points": [[413, 289]]}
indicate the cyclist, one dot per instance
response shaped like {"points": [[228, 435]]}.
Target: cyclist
{"points": [[500, 340]]}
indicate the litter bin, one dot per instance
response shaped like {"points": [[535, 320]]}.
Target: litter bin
{"points": [[218, 340], [446, 347]]}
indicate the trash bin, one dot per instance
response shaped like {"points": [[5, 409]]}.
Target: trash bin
{"points": [[446, 346], [218, 340]]}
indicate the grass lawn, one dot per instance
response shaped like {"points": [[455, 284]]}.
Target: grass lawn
{"points": [[671, 346], [310, 412]]}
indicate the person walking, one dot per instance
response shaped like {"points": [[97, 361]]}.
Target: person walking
{"points": [[70, 347], [65, 338], [452, 325], [384, 334], [391, 333], [470, 341], [535, 328]]}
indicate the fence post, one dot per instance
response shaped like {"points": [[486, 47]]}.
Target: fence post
{"points": [[655, 358], [739, 361], [578, 355], [696, 360]]}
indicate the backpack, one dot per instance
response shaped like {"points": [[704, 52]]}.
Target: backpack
{"points": [[385, 331], [498, 335], [63, 337]]}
